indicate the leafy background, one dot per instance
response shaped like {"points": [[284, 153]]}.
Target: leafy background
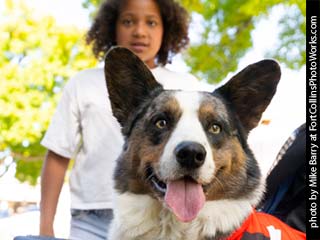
{"points": [[39, 55]]}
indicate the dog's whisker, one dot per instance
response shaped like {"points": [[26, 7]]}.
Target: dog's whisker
{"points": [[220, 184]]}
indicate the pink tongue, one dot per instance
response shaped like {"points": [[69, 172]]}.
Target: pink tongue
{"points": [[185, 198]]}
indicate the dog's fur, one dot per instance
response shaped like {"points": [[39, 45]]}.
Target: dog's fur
{"points": [[210, 128]]}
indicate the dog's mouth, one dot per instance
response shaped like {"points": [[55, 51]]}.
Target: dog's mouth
{"points": [[158, 185], [184, 196]]}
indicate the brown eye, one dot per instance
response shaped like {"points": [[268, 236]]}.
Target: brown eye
{"points": [[161, 123], [215, 129], [127, 22], [152, 23]]}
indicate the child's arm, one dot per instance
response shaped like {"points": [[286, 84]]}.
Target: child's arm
{"points": [[52, 179]]}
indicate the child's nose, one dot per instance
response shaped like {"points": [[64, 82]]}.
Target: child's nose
{"points": [[140, 30]]}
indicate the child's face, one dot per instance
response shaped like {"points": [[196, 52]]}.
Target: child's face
{"points": [[139, 28]]}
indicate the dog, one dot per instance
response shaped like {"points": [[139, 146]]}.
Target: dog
{"points": [[186, 171]]}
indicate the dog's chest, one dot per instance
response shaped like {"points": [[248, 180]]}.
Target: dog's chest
{"points": [[140, 217], [144, 218]]}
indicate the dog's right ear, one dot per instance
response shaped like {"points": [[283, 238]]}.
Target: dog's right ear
{"points": [[129, 82]]}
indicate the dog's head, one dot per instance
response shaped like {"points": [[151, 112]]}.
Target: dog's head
{"points": [[185, 148]]}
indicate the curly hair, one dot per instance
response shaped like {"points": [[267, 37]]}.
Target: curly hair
{"points": [[175, 18]]}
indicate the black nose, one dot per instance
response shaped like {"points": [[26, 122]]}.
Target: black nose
{"points": [[190, 154]]}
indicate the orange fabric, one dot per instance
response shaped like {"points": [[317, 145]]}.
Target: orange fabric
{"points": [[259, 223]]}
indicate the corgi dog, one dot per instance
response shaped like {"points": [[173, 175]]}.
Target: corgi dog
{"points": [[186, 171]]}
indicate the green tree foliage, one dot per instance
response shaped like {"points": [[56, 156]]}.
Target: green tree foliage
{"points": [[226, 34], [37, 57], [291, 49]]}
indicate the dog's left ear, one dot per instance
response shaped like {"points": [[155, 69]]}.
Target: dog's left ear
{"points": [[129, 82], [251, 90]]}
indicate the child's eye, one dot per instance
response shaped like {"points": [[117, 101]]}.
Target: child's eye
{"points": [[127, 22], [152, 23]]}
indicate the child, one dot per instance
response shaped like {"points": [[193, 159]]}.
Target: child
{"points": [[83, 127]]}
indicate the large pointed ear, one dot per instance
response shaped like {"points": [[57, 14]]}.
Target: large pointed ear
{"points": [[251, 90], [129, 82]]}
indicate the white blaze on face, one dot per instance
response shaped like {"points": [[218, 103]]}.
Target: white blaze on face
{"points": [[188, 128]]}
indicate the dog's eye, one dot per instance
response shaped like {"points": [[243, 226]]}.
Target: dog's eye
{"points": [[215, 129], [161, 123]]}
